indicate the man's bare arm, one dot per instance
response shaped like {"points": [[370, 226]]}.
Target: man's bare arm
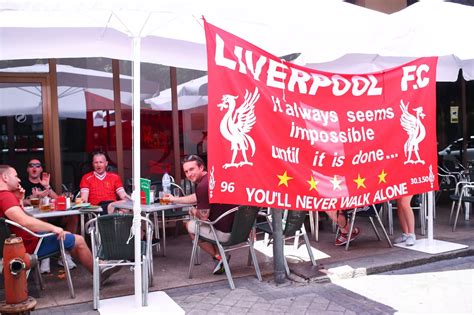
{"points": [[84, 196], [188, 200], [122, 194], [17, 215]]}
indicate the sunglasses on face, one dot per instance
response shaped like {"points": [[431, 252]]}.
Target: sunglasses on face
{"points": [[34, 164]]}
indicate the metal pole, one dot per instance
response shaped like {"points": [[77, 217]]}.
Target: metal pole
{"points": [[431, 205], [278, 255], [465, 136], [136, 170]]}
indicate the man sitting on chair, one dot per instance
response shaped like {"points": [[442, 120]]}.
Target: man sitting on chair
{"points": [[37, 185], [11, 207], [194, 169], [100, 187]]}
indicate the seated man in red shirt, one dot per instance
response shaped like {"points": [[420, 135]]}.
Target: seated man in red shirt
{"points": [[11, 207], [100, 187]]}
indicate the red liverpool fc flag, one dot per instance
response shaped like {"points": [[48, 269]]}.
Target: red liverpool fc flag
{"points": [[285, 136]]}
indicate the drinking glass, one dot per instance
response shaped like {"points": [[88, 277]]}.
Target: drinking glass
{"points": [[34, 201], [152, 193], [44, 204], [176, 192], [161, 196]]}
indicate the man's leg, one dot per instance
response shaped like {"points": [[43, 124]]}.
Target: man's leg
{"points": [[340, 220], [81, 252], [74, 243], [70, 223], [209, 248]]}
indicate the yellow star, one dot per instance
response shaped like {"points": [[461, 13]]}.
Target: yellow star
{"points": [[336, 183], [360, 181], [382, 177], [312, 184], [284, 179]]}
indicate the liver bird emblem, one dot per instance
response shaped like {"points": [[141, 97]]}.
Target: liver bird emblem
{"points": [[237, 123], [415, 130]]}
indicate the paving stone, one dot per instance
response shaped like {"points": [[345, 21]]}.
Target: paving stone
{"points": [[238, 310], [212, 300], [204, 306], [298, 310], [193, 298], [221, 308], [229, 301], [318, 305], [286, 302], [260, 306], [335, 307], [250, 298], [278, 308]]}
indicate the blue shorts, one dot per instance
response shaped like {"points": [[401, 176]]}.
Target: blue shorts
{"points": [[50, 244]]}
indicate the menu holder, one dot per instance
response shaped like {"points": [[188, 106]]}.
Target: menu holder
{"points": [[145, 185], [60, 203]]}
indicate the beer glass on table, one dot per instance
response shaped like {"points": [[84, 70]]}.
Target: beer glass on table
{"points": [[44, 204], [34, 201]]}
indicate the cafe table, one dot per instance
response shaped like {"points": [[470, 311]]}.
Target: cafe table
{"points": [[153, 208], [36, 213]]}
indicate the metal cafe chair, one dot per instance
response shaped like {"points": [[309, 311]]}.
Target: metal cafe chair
{"points": [[241, 236], [463, 195], [5, 233], [113, 245], [293, 228], [369, 212]]}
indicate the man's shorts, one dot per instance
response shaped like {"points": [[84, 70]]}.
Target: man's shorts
{"points": [[50, 244], [205, 231]]}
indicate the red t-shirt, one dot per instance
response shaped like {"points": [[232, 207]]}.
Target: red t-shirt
{"points": [[7, 201], [103, 187]]}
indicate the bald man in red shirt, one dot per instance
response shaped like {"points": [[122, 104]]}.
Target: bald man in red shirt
{"points": [[100, 186]]}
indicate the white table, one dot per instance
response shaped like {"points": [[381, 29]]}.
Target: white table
{"points": [[153, 208], [35, 212]]}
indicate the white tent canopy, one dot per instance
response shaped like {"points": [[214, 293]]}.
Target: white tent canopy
{"points": [[172, 31], [332, 35], [72, 100], [190, 94], [426, 28], [73, 83], [80, 77]]}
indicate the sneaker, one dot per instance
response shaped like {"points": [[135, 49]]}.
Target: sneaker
{"points": [[401, 239], [219, 268], [44, 266], [410, 241], [70, 263], [342, 237], [107, 271]]}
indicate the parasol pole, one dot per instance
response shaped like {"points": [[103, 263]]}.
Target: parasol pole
{"points": [[136, 170]]}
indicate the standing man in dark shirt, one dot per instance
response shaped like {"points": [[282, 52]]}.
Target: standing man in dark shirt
{"points": [[194, 170]]}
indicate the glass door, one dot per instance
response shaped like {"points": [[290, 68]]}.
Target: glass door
{"points": [[22, 135]]}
